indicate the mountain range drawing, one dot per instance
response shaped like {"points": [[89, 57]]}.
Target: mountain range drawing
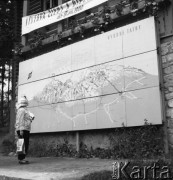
{"points": [[102, 89]]}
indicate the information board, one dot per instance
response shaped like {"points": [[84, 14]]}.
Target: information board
{"points": [[110, 80]]}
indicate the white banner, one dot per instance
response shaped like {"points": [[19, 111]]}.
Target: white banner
{"points": [[71, 8]]}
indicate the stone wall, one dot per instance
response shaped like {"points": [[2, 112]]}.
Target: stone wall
{"points": [[167, 64]]}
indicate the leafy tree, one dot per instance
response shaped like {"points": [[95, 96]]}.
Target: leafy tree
{"points": [[6, 45]]}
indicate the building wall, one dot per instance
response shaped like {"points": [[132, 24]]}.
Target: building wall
{"points": [[167, 64], [165, 30]]}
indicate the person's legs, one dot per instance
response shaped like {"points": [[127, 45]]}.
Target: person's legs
{"points": [[20, 156], [26, 142]]}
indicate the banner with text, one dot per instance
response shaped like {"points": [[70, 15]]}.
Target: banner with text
{"points": [[71, 8]]}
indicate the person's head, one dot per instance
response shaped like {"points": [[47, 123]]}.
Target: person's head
{"points": [[23, 102]]}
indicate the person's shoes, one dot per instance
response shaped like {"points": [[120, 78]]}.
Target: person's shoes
{"points": [[23, 162]]}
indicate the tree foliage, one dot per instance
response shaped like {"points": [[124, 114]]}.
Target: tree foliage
{"points": [[6, 29], [7, 39]]}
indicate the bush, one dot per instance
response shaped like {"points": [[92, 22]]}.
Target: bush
{"points": [[137, 142], [9, 145], [129, 143]]}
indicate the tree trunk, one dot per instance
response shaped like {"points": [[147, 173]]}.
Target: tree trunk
{"points": [[9, 79], [2, 94]]}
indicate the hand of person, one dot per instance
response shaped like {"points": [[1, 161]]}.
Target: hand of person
{"points": [[21, 133], [31, 115]]}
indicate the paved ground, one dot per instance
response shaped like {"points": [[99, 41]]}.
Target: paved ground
{"points": [[50, 168]]}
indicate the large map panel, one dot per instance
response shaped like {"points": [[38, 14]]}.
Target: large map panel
{"points": [[96, 97], [102, 82]]}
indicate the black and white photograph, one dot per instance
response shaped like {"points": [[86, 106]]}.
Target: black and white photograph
{"points": [[86, 89]]}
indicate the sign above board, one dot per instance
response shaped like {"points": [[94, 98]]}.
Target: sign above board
{"points": [[71, 8]]}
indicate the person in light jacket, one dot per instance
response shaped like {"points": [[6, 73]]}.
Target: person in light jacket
{"points": [[23, 125]]}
